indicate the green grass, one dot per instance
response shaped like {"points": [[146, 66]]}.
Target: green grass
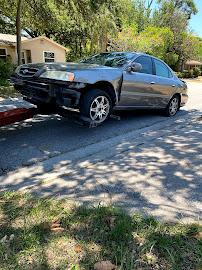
{"points": [[6, 90], [55, 234]]}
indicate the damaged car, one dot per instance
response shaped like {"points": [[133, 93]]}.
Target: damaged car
{"points": [[99, 84]]}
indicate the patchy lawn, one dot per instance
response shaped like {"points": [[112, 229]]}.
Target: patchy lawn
{"points": [[8, 91], [55, 234]]}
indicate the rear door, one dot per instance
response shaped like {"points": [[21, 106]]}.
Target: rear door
{"points": [[164, 84], [137, 89]]}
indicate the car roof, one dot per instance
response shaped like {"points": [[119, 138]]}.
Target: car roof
{"points": [[132, 52]]}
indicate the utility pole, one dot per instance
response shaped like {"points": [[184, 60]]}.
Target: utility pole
{"points": [[18, 30]]}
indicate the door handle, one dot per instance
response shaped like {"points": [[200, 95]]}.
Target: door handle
{"points": [[152, 82], [173, 85]]}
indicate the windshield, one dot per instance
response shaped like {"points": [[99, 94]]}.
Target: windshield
{"points": [[109, 59]]}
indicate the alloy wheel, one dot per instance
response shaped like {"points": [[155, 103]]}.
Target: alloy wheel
{"points": [[174, 105], [99, 109]]}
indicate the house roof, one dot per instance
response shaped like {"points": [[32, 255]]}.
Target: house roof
{"points": [[9, 39], [48, 39], [6, 39], [193, 63]]}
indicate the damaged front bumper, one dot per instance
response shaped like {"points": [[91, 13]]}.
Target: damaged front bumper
{"points": [[39, 91]]}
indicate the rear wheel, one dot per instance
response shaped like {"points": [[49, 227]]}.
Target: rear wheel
{"points": [[96, 105], [173, 106]]}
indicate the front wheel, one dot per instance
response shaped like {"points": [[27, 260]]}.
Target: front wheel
{"points": [[173, 106], [97, 105]]}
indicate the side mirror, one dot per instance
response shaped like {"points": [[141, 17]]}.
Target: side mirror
{"points": [[134, 67]]}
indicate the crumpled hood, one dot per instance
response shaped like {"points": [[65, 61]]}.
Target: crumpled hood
{"points": [[67, 66], [84, 73]]}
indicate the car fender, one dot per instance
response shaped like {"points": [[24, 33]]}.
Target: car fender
{"points": [[110, 75]]}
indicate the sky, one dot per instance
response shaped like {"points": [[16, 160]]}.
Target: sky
{"points": [[196, 21]]}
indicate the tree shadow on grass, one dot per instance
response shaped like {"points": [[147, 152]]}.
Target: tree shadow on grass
{"points": [[87, 235]]}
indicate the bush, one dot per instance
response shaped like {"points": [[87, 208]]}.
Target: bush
{"points": [[196, 72], [6, 69], [191, 73], [179, 75], [187, 74]]}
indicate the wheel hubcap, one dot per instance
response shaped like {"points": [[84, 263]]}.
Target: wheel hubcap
{"points": [[99, 109], [174, 106]]}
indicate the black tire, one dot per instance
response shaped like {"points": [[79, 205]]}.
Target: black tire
{"points": [[88, 100], [173, 106], [46, 108]]}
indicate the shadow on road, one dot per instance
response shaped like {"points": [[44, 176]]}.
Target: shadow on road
{"points": [[45, 136], [162, 176]]}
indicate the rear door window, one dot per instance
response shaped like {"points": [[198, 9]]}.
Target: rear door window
{"points": [[161, 69]]}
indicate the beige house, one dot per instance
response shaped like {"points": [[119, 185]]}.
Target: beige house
{"points": [[34, 50], [190, 64]]}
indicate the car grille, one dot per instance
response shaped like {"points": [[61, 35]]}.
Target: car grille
{"points": [[27, 71], [35, 90]]}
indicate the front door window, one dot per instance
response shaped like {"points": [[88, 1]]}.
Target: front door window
{"points": [[146, 63]]}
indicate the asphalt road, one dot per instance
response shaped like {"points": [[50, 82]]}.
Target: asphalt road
{"points": [[46, 136]]}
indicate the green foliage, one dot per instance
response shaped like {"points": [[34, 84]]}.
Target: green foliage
{"points": [[6, 69], [55, 234], [88, 27], [153, 40], [6, 27], [199, 48], [196, 72], [156, 41], [179, 75], [192, 73]]}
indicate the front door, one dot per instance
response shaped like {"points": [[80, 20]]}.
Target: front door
{"points": [[137, 88], [29, 56]]}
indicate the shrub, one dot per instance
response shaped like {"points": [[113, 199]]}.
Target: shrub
{"points": [[191, 73], [196, 72], [6, 69], [179, 75], [185, 74]]}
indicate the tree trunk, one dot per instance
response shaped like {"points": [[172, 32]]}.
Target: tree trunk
{"points": [[18, 30]]}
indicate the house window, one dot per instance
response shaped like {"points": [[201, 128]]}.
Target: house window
{"points": [[3, 54], [23, 57], [49, 57]]}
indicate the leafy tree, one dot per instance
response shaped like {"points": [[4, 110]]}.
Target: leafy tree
{"points": [[6, 27], [175, 14], [90, 26], [153, 40]]}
